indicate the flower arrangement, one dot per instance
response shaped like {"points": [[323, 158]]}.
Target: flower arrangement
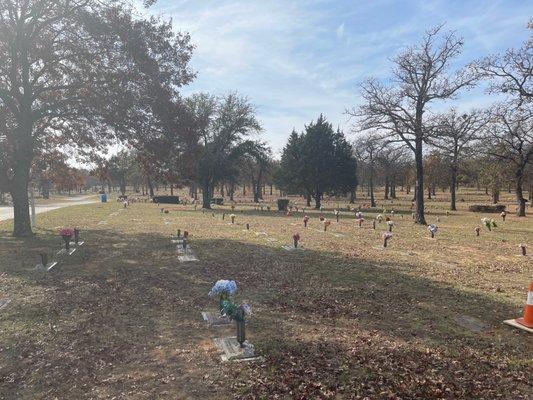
{"points": [[390, 224], [66, 234], [306, 220], [522, 247], [232, 216], [296, 239], [489, 223], [386, 237], [327, 223], [223, 288], [379, 217], [432, 230], [503, 215], [237, 312], [321, 218], [358, 215], [477, 229]]}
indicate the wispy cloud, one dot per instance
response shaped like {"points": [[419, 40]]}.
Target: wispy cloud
{"points": [[340, 31], [297, 59]]}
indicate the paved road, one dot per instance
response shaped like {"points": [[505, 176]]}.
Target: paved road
{"points": [[7, 212]]}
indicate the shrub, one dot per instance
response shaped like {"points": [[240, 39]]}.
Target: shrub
{"points": [[283, 204], [166, 199], [498, 208]]}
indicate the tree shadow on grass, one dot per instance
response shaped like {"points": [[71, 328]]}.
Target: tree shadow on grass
{"points": [[122, 318]]}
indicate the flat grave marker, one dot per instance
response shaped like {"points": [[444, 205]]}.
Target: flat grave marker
{"points": [[65, 252], [4, 303], [231, 350], [292, 248], [215, 319], [187, 257], [46, 267], [471, 323]]}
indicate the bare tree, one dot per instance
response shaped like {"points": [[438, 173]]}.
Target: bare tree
{"points": [[510, 137], [453, 136], [420, 76], [367, 149], [511, 72]]}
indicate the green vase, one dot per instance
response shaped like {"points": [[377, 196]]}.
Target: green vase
{"points": [[241, 332]]}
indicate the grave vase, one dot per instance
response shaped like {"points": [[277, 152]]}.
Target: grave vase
{"points": [[67, 242], [241, 332]]}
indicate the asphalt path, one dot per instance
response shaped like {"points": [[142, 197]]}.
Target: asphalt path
{"points": [[7, 212]]}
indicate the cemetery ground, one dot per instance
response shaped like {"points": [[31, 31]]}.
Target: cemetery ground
{"points": [[341, 319]]}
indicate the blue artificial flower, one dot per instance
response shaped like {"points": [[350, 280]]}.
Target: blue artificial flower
{"points": [[223, 286]]}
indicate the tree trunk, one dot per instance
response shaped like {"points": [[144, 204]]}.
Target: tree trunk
{"points": [[318, 199], [172, 189], [21, 211], [495, 195], [386, 197], [150, 186], [232, 191], [353, 196], [23, 155], [308, 200], [429, 192], [419, 192], [271, 189], [256, 189], [206, 195], [521, 211], [453, 183], [371, 187]]}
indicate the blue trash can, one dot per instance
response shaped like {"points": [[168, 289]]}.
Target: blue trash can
{"points": [[103, 198]]}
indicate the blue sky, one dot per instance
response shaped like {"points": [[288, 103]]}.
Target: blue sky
{"points": [[297, 59]]}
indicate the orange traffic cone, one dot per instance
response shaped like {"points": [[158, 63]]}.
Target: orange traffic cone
{"points": [[527, 321]]}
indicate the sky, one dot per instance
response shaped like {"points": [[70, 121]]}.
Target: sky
{"points": [[296, 59]]}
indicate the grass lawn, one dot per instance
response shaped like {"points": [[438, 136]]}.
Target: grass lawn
{"points": [[343, 319]]}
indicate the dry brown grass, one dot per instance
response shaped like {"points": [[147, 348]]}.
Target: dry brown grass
{"points": [[342, 319]]}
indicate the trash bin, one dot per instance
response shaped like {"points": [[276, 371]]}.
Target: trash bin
{"points": [[103, 198]]}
